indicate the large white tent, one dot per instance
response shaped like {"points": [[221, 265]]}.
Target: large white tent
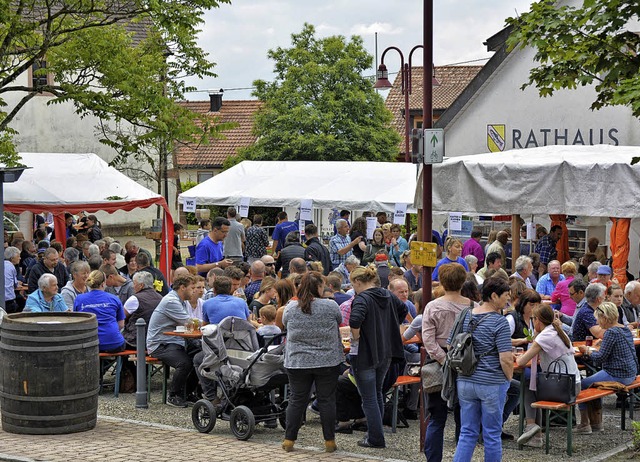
{"points": [[349, 185], [593, 181], [589, 181], [60, 183]]}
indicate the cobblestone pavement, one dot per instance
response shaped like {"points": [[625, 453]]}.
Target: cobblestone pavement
{"points": [[118, 440]]}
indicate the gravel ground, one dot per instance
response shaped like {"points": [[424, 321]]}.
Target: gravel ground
{"points": [[402, 446]]}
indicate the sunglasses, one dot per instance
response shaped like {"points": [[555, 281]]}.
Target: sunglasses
{"points": [[269, 264]]}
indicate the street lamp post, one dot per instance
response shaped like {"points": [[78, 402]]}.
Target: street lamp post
{"points": [[405, 88]]}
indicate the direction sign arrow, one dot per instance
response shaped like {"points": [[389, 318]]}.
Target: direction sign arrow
{"points": [[434, 140]]}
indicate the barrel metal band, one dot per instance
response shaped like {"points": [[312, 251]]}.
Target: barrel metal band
{"points": [[4, 346], [62, 338], [50, 418], [42, 399]]}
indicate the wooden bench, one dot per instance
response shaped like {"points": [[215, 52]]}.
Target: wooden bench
{"points": [[401, 381], [155, 366], [632, 395], [107, 360], [584, 396]]}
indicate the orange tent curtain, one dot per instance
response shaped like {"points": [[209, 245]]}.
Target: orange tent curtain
{"points": [[562, 246], [619, 244]]}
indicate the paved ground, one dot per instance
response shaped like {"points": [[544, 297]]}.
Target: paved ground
{"points": [[117, 440]]}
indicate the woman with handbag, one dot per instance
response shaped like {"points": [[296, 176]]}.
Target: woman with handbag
{"points": [[482, 393], [437, 322], [550, 344], [617, 355]]}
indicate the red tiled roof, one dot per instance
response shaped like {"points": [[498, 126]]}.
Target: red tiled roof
{"points": [[213, 155], [453, 80]]}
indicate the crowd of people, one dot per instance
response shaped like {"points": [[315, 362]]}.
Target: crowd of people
{"points": [[365, 293]]}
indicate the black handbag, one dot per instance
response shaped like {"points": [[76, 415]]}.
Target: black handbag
{"points": [[556, 385]]}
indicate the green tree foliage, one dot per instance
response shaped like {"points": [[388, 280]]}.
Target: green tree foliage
{"points": [[123, 62], [583, 45], [320, 107]]}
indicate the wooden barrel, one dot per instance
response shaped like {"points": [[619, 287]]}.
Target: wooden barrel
{"points": [[49, 368]]}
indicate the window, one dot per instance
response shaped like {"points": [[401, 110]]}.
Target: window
{"points": [[204, 176], [39, 79]]}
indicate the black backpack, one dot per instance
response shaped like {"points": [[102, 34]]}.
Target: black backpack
{"points": [[461, 356]]}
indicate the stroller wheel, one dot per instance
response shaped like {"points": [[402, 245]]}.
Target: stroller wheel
{"points": [[203, 415], [242, 422]]}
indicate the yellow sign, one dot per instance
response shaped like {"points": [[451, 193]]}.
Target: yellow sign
{"points": [[424, 253]]}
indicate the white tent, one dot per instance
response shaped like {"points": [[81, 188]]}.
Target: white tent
{"points": [[67, 180], [349, 185], [592, 181], [60, 183]]}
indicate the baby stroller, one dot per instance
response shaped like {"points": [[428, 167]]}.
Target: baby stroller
{"points": [[250, 380]]}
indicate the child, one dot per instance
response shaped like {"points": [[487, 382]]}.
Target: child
{"points": [[268, 320]]}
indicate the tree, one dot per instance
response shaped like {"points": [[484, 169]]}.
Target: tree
{"points": [[320, 107], [582, 46], [122, 62]]}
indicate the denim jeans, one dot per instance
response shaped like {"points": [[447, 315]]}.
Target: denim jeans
{"points": [[601, 376], [300, 383], [369, 382], [480, 404], [434, 437]]}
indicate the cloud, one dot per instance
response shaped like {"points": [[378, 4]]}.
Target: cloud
{"points": [[380, 27]]}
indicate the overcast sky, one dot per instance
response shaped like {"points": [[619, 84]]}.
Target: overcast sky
{"points": [[238, 36]]}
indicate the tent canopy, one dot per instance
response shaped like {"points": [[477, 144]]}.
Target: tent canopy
{"points": [[73, 183], [349, 185], [596, 181], [59, 183]]}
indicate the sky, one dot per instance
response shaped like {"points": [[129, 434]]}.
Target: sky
{"points": [[238, 36]]}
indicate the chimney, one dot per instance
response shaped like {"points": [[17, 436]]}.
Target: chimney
{"points": [[215, 101]]}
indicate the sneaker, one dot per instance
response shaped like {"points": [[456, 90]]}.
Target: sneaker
{"points": [[535, 442], [176, 401], [506, 436], [583, 430], [312, 407], [191, 399], [528, 433], [271, 423]]}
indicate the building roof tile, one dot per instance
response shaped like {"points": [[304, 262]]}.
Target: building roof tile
{"points": [[453, 80], [214, 154]]}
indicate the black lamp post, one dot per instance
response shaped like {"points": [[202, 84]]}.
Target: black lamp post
{"points": [[8, 175], [382, 82]]}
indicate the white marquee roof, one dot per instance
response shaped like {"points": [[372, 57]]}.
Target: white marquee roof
{"points": [[349, 185], [597, 181]]}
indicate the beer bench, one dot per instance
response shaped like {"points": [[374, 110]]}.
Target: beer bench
{"points": [[108, 360], [401, 381], [584, 396], [632, 395]]}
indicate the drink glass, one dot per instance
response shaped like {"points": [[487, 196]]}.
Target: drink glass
{"points": [[189, 326], [588, 340]]}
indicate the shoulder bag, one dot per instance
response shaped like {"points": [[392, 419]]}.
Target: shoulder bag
{"points": [[556, 385]]}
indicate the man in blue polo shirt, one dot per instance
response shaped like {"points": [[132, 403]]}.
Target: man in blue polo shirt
{"points": [[209, 252], [223, 304], [280, 232]]}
